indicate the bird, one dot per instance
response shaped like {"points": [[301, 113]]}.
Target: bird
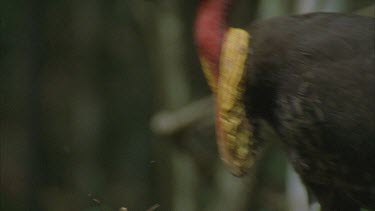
{"points": [[311, 77]]}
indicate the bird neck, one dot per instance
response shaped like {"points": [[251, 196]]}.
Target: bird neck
{"points": [[210, 26]]}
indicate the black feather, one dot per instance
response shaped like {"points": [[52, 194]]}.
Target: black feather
{"points": [[312, 78]]}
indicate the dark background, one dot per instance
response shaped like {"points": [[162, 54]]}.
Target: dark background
{"points": [[104, 105]]}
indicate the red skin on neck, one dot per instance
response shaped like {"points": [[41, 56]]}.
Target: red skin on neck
{"points": [[210, 26]]}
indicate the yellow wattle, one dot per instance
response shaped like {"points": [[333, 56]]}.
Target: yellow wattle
{"points": [[233, 129], [208, 72]]}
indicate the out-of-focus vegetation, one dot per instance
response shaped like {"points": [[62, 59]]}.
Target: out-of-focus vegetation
{"points": [[81, 83]]}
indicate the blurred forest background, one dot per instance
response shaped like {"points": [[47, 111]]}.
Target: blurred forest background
{"points": [[104, 107]]}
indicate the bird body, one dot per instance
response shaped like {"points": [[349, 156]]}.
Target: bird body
{"points": [[312, 78]]}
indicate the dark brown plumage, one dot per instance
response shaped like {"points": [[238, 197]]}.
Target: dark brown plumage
{"points": [[312, 77]]}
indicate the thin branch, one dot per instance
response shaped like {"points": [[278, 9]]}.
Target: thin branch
{"points": [[168, 123]]}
